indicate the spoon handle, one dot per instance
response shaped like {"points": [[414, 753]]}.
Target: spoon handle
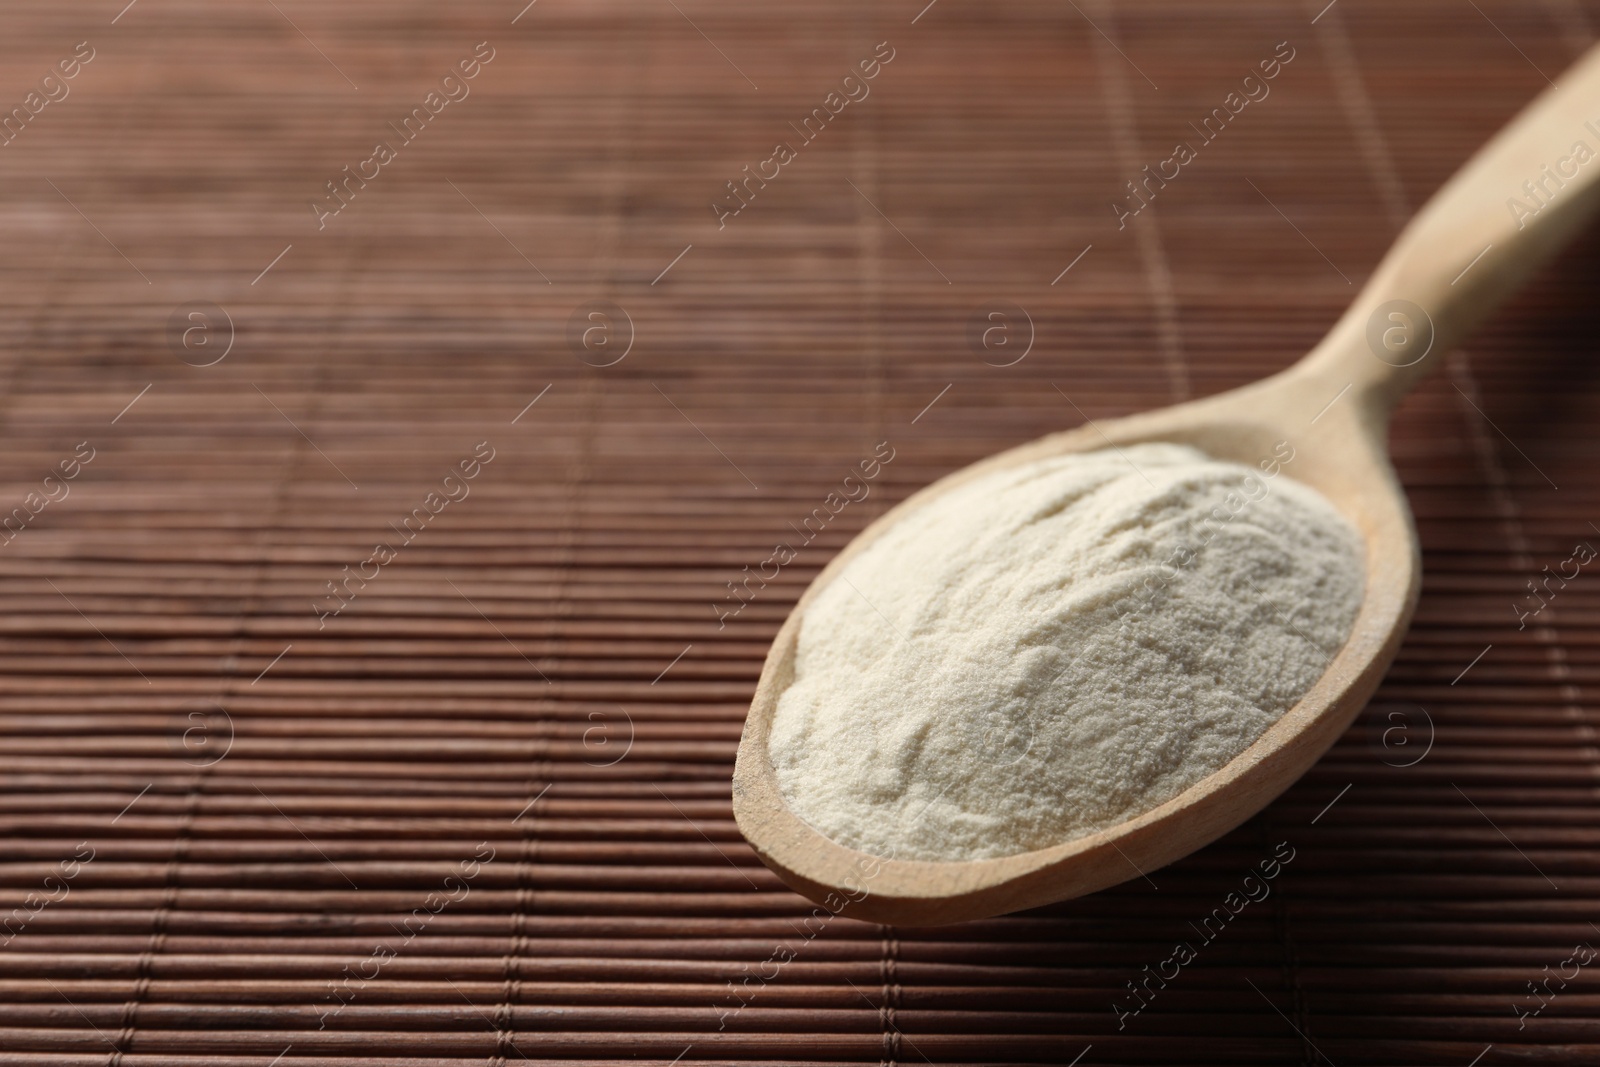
{"points": [[1509, 208]]}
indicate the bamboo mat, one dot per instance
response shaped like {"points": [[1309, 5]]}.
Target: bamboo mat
{"points": [[481, 813]]}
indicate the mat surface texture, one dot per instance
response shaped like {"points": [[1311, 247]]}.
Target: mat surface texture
{"points": [[395, 399]]}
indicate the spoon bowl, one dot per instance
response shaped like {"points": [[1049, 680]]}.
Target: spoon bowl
{"points": [[1245, 426], [1332, 409]]}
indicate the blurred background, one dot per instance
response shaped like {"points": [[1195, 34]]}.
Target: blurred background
{"points": [[390, 392]]}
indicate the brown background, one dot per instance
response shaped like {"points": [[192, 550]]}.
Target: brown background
{"points": [[531, 630]]}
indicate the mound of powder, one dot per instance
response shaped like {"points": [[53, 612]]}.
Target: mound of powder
{"points": [[1051, 649]]}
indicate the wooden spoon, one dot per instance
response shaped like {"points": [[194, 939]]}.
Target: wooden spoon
{"points": [[1468, 249]]}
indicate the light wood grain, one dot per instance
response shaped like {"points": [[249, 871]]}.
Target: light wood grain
{"points": [[1463, 253]]}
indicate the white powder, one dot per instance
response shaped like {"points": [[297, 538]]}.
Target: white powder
{"points": [[1049, 650]]}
